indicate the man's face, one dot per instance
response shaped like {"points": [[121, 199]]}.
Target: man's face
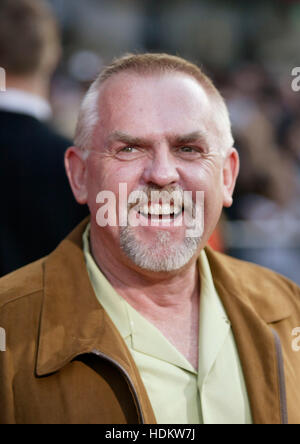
{"points": [[155, 133]]}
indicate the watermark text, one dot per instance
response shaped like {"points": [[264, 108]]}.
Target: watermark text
{"points": [[296, 341], [155, 208], [2, 80], [2, 340], [155, 433], [296, 80]]}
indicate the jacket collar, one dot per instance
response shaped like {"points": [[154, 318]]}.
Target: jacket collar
{"points": [[73, 322]]}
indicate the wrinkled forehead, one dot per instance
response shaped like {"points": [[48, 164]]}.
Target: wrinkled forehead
{"points": [[153, 103]]}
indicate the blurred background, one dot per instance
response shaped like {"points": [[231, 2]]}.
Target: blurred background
{"points": [[249, 49]]}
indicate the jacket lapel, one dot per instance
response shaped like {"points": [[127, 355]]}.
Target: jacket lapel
{"points": [[250, 310]]}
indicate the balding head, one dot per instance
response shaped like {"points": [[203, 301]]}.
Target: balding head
{"points": [[144, 65]]}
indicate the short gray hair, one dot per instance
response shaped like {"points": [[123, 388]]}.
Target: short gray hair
{"points": [[146, 64], [88, 117]]}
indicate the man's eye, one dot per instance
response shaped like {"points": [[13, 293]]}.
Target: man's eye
{"points": [[189, 152], [127, 149], [129, 153], [187, 149]]}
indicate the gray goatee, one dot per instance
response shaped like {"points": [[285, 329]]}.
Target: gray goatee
{"points": [[163, 256]]}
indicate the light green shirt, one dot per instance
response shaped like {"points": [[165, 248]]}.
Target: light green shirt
{"points": [[216, 393]]}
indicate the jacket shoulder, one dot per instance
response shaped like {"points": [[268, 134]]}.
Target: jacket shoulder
{"points": [[259, 274], [31, 129], [21, 283], [272, 294]]}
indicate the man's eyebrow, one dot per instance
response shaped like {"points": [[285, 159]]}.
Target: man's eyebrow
{"points": [[120, 136], [174, 139], [195, 136]]}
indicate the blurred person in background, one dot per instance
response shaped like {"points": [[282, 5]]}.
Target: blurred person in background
{"points": [[38, 208]]}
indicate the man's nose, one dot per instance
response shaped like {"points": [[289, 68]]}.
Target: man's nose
{"points": [[161, 169]]}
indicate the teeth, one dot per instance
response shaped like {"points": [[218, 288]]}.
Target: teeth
{"points": [[157, 209]]}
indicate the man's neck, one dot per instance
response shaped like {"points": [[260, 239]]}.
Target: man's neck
{"points": [[165, 290], [35, 85]]}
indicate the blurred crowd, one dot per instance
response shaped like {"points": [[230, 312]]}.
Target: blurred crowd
{"points": [[264, 220]]}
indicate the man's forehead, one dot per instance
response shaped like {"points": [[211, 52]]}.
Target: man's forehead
{"points": [[134, 82], [154, 106]]}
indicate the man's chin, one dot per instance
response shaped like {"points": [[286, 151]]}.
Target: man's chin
{"points": [[161, 253]]}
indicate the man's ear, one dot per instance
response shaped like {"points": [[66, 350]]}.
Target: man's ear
{"points": [[230, 172], [76, 169]]}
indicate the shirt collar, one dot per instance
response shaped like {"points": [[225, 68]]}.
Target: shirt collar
{"points": [[112, 302], [21, 102], [139, 334], [214, 323]]}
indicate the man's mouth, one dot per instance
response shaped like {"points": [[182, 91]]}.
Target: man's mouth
{"points": [[160, 211]]}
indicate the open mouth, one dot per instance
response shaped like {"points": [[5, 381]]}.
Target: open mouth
{"points": [[161, 211]]}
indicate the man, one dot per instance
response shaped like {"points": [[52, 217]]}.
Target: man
{"points": [[135, 320], [31, 153]]}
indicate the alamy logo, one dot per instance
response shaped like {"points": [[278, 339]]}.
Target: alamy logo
{"points": [[2, 80], [296, 341], [153, 208], [296, 81], [2, 340]]}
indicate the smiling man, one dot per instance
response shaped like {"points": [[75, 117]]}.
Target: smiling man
{"points": [[137, 321]]}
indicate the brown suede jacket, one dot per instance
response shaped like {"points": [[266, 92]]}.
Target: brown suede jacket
{"points": [[65, 362]]}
